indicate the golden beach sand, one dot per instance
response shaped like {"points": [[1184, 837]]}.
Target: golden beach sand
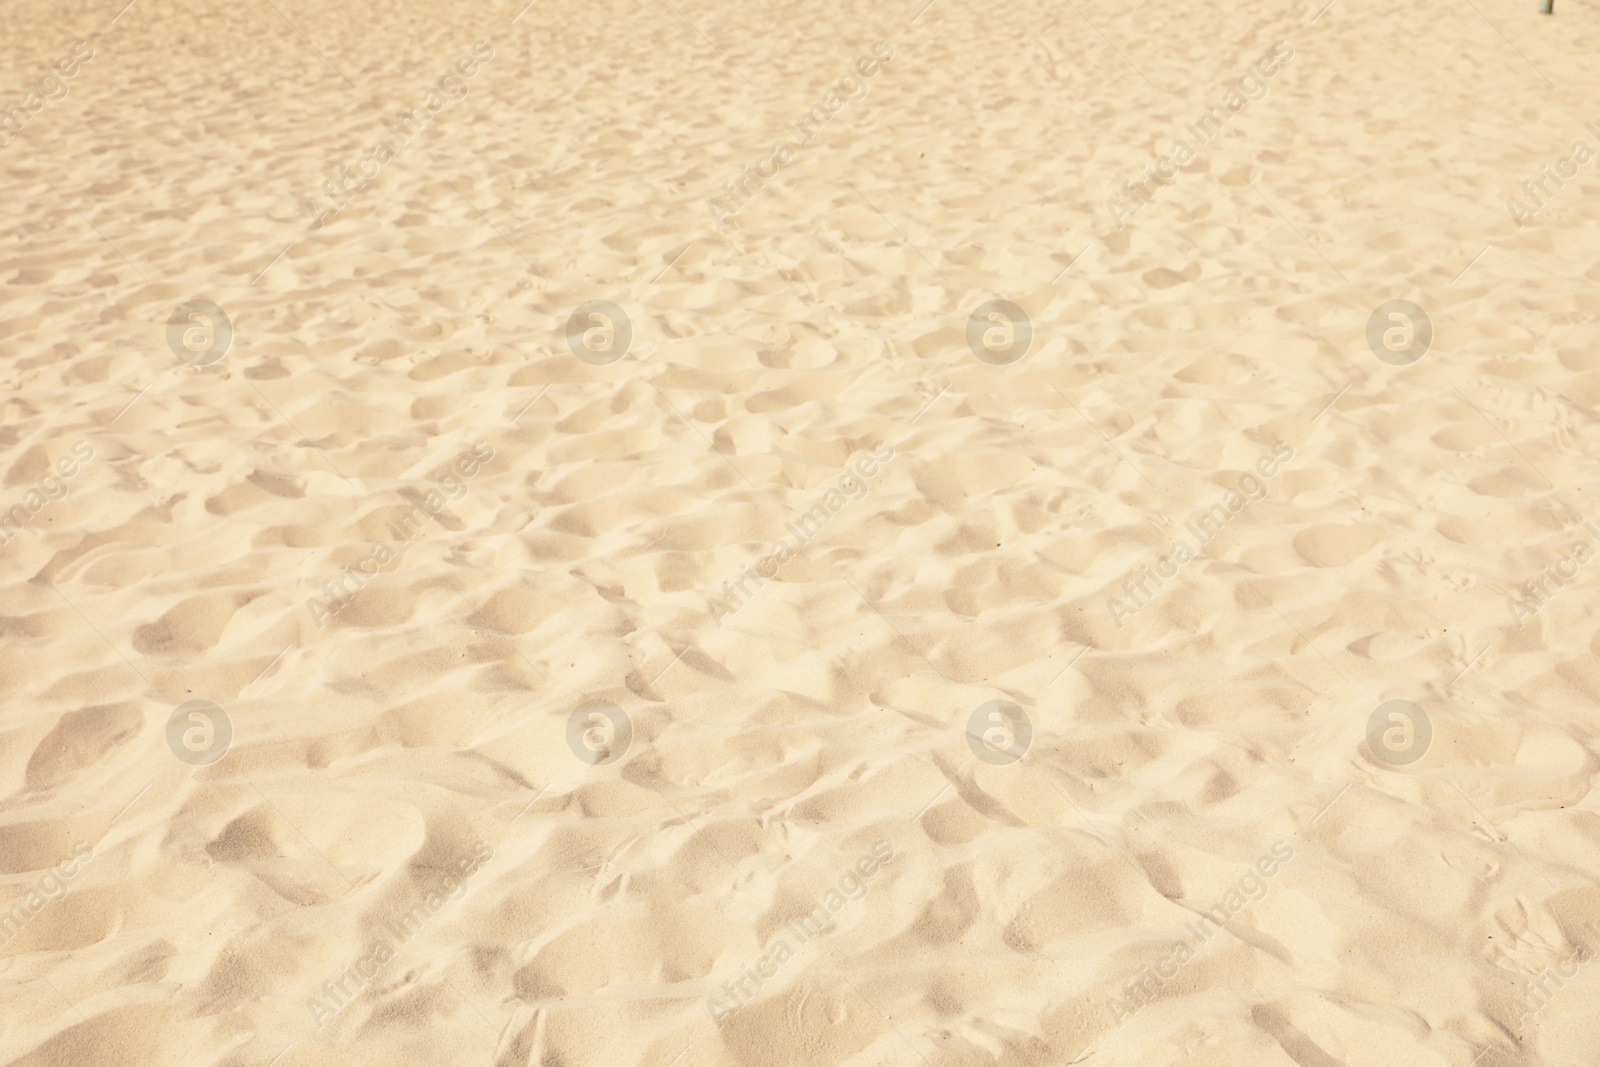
{"points": [[503, 586]]}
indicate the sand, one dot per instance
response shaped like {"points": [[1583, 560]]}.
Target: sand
{"points": [[780, 682]]}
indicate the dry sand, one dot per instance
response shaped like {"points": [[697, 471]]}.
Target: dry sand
{"points": [[400, 856]]}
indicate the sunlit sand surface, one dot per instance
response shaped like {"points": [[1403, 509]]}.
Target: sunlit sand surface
{"points": [[574, 603]]}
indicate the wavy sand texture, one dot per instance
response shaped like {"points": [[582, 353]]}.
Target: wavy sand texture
{"points": [[411, 546]]}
